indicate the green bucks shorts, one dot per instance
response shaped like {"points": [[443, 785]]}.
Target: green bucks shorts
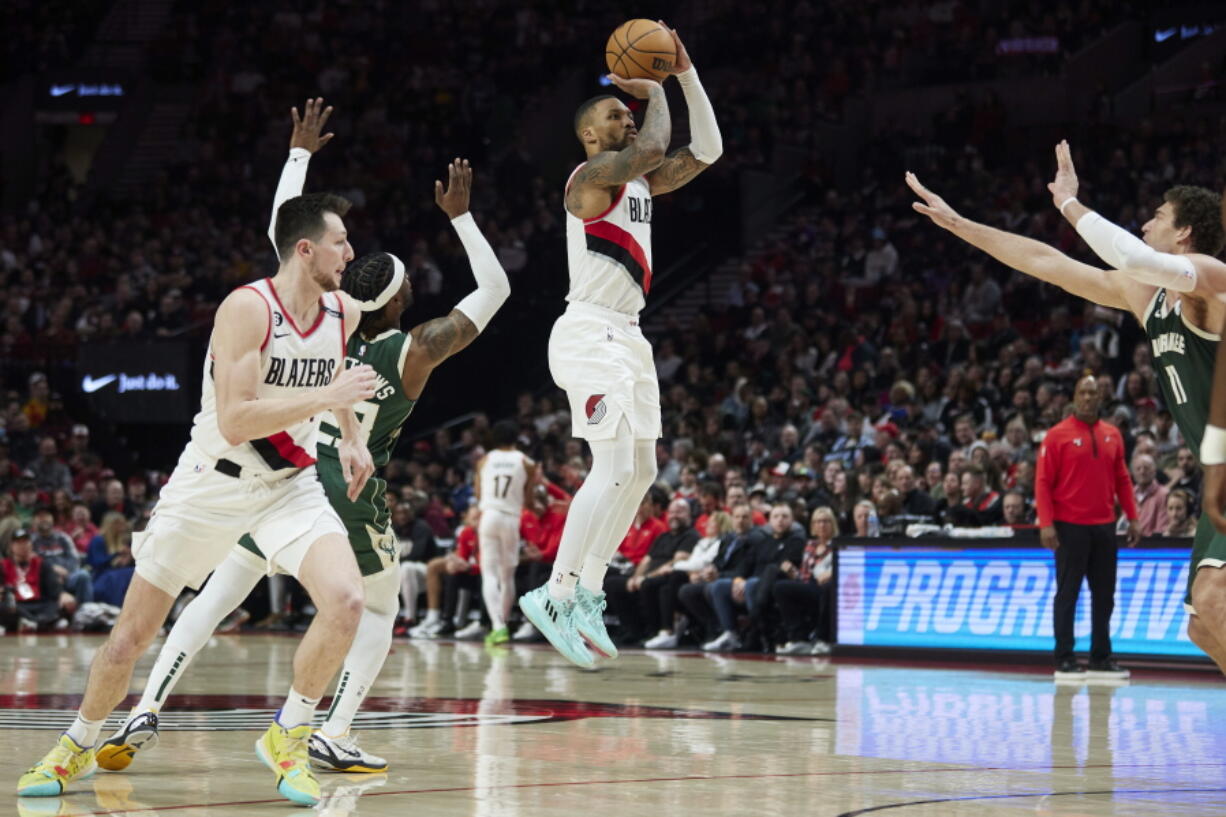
{"points": [[367, 521]]}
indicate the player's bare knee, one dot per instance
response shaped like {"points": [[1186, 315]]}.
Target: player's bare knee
{"points": [[1210, 607], [125, 646], [1198, 632], [346, 602]]}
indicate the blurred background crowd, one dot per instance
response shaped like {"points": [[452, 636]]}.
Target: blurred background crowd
{"points": [[856, 372]]}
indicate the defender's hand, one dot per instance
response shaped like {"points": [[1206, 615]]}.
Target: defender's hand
{"points": [[934, 206], [637, 88], [307, 127], [356, 466], [1065, 184], [682, 61], [454, 199]]}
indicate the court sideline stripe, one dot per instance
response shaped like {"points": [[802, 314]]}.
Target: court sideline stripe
{"points": [[872, 809], [694, 778]]}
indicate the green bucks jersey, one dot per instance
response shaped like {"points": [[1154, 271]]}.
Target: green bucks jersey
{"points": [[1183, 362], [382, 415]]}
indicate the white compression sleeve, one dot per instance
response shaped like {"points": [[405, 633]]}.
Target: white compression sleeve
{"points": [[621, 517], [227, 588], [367, 653], [705, 141], [1141, 262], [493, 288], [293, 177]]}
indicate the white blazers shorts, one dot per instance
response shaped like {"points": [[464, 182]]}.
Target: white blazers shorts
{"points": [[202, 513], [605, 365]]}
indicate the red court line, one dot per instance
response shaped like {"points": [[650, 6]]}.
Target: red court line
{"points": [[688, 778]]}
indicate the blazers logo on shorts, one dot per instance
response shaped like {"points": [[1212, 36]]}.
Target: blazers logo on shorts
{"points": [[596, 409]]}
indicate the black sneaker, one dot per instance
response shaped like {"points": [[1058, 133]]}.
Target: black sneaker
{"points": [[139, 732], [1070, 670], [1107, 670]]}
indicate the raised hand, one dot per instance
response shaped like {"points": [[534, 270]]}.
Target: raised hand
{"points": [[637, 88], [454, 199], [1064, 187], [682, 61], [308, 126], [933, 205]]}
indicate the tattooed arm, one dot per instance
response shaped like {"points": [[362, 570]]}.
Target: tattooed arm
{"points": [[431, 343], [435, 341], [706, 144], [591, 190], [677, 171]]}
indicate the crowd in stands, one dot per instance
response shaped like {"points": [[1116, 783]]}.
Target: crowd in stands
{"points": [[867, 372]]}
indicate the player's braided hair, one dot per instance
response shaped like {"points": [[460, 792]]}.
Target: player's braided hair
{"points": [[365, 278]]}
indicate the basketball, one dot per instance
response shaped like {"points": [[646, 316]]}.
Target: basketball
{"points": [[641, 49]]}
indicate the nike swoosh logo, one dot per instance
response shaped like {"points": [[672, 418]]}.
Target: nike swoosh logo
{"points": [[60, 90], [282, 335], [89, 385], [1164, 35]]}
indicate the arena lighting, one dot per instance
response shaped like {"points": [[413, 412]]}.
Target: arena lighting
{"points": [[58, 90], [127, 383]]}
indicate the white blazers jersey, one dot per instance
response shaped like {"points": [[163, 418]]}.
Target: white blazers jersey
{"points": [[503, 478], [292, 361], [610, 256]]}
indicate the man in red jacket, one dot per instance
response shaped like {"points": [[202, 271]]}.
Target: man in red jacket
{"points": [[1081, 474]]}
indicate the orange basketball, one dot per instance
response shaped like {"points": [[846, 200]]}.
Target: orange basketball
{"points": [[641, 49]]}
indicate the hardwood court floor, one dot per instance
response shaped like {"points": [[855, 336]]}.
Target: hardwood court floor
{"points": [[520, 732]]}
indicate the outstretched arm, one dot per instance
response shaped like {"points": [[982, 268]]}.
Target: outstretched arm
{"points": [[1035, 258], [435, 341], [706, 144], [1202, 274], [303, 142]]}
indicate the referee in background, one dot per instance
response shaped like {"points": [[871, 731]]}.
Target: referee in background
{"points": [[1081, 475]]}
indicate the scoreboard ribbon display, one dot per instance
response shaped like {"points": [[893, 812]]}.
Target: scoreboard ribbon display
{"points": [[992, 598]]}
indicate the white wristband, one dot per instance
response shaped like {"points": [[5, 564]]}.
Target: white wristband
{"points": [[1213, 446], [1066, 203]]}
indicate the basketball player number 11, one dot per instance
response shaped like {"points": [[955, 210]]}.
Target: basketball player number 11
{"points": [[365, 411], [1177, 391]]}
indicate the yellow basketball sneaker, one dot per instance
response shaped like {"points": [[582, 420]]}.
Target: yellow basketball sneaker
{"points": [[62, 765], [285, 752]]}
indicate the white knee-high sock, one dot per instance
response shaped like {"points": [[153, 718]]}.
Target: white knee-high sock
{"points": [[621, 516], [229, 585], [362, 664], [586, 522]]}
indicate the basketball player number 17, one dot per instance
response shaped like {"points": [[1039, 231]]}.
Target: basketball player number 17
{"points": [[1177, 391], [365, 411]]}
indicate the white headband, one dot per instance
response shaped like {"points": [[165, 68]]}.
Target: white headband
{"points": [[393, 286]]}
